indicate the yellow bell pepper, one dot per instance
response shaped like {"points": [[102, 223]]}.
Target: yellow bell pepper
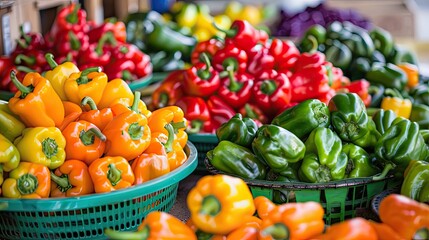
{"points": [[115, 89], [28, 180], [402, 107], [59, 74], [9, 156], [219, 204], [42, 145], [252, 14], [233, 10], [186, 16], [223, 22]]}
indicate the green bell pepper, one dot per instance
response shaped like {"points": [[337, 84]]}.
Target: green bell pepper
{"points": [[420, 114], [358, 68], [281, 195], [165, 62], [360, 42], [302, 118], [376, 90], [335, 30], [383, 119], [313, 37], [235, 159], [277, 147], [383, 41], [402, 55], [420, 94], [339, 54], [390, 75], [359, 163], [350, 120], [416, 181], [324, 160], [238, 130]]}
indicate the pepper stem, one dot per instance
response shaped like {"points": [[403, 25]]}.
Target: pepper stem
{"points": [[126, 75], [249, 111], [210, 206], [27, 184], [88, 137], [106, 37], [49, 147], [72, 17], [422, 233], [178, 125], [50, 59], [268, 87], [204, 73], [168, 145], [74, 41], [23, 35], [228, 32], [83, 79], [24, 58], [313, 42], [385, 171], [278, 231], [323, 174], [88, 100], [163, 99], [114, 174], [393, 92], [62, 182], [25, 90], [234, 86], [112, 234], [135, 131], [21, 43], [195, 126]]}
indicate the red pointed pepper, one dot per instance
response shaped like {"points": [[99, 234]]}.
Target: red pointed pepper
{"points": [[236, 89], [195, 111], [310, 82], [285, 54], [201, 80], [169, 91], [210, 47], [242, 35], [230, 56], [259, 60], [117, 28], [220, 112]]}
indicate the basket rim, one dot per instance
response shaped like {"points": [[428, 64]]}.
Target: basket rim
{"points": [[350, 182], [99, 199], [203, 138]]}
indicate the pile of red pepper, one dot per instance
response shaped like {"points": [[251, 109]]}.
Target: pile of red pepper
{"points": [[73, 38], [250, 73]]}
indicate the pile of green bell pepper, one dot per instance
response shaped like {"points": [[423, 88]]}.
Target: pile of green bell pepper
{"points": [[416, 181]]}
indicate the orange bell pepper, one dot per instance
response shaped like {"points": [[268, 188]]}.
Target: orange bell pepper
{"points": [[385, 232], [173, 115], [293, 221], [71, 179], [110, 174], [412, 72], [156, 225], [219, 204], [89, 82], [149, 166], [404, 215], [72, 111], [128, 134], [28, 180], [99, 118], [115, 88], [248, 231], [84, 141], [203, 235], [351, 229], [36, 103], [121, 105], [263, 206]]}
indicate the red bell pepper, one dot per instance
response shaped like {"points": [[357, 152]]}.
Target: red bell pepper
{"points": [[117, 28], [242, 35], [20, 72], [201, 80], [236, 89], [169, 91], [97, 53], [259, 60], [210, 47], [34, 59], [285, 54], [310, 82], [230, 57], [309, 60], [5, 66], [70, 18], [195, 111], [272, 91], [71, 42], [360, 87], [254, 112], [210, 126], [29, 41], [133, 53], [220, 111], [121, 68]]}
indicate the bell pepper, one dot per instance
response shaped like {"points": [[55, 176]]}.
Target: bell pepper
{"points": [[29, 41], [121, 105], [390, 75], [383, 120], [393, 100], [404, 215], [254, 112], [149, 166], [209, 47], [195, 111], [412, 72], [272, 91], [400, 54], [277, 147], [420, 94], [201, 79], [71, 43], [259, 59], [213, 203], [384, 231], [308, 60], [220, 111], [156, 225], [169, 91], [112, 25], [28, 180], [420, 114], [128, 134], [293, 221], [238, 130], [36, 102], [203, 235], [115, 88], [323, 160], [84, 141], [383, 40], [339, 54], [301, 119], [71, 18], [285, 53], [377, 94], [236, 88], [99, 118], [353, 229], [72, 112], [34, 59], [97, 53], [230, 57], [9, 156], [416, 184], [263, 206], [241, 34], [87, 83], [350, 120], [310, 82], [235, 159], [10, 126], [5, 65], [359, 163], [71, 179], [360, 87], [313, 37], [121, 68]]}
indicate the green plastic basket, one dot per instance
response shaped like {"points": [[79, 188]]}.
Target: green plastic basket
{"points": [[340, 199], [87, 217], [203, 143]]}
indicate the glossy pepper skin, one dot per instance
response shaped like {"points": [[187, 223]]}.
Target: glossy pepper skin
{"points": [[254, 112], [404, 215], [236, 88], [309, 81], [28, 180], [10, 126], [390, 75], [277, 147], [302, 118], [350, 120], [230, 57], [416, 181], [285, 53], [241, 34], [220, 111], [71, 179], [115, 89], [195, 111], [98, 117], [210, 47], [353, 229], [420, 114], [110, 174], [47, 146], [402, 107], [212, 203], [169, 91], [36, 102], [383, 119], [384, 231], [235, 159], [149, 166], [9, 156], [238, 130], [173, 115], [293, 221], [359, 163], [323, 161], [71, 18], [122, 105], [201, 79]]}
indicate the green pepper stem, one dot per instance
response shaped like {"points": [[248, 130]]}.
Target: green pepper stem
{"points": [[278, 231], [50, 59], [178, 125], [88, 137], [114, 174], [88, 100], [168, 145], [23, 58], [62, 182], [106, 37], [385, 171], [72, 17], [83, 79], [163, 99], [422, 233], [112, 234], [393, 93], [210, 206], [23, 35], [323, 174], [228, 32], [195, 127], [24, 69], [21, 87], [205, 72], [136, 101], [268, 87], [21, 43], [27, 184], [249, 111], [135, 131], [126, 75], [49, 147], [314, 43], [74, 41], [234, 86]]}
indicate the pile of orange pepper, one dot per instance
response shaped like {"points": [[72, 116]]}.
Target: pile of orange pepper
{"points": [[85, 133], [222, 208]]}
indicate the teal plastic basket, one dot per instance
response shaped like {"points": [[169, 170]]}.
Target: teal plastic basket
{"points": [[203, 143], [87, 217]]}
